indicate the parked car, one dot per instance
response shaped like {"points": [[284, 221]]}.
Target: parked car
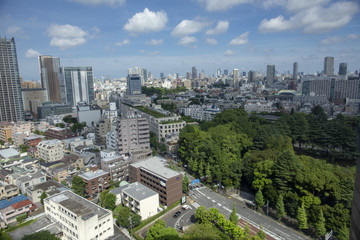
{"points": [[185, 207], [177, 214]]}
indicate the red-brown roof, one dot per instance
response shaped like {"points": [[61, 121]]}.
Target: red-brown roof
{"points": [[22, 204]]}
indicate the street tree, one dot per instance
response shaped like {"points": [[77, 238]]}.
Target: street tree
{"points": [[259, 199], [78, 185], [280, 208], [233, 216]]}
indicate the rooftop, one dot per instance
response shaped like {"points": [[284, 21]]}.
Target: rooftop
{"points": [[156, 165], [8, 153], [78, 205], [33, 137], [138, 191], [92, 175], [30, 176], [6, 203]]}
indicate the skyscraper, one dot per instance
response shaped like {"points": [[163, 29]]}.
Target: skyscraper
{"points": [[251, 76], [194, 73], [270, 74], [50, 77], [235, 75], [295, 70], [218, 73], [226, 72], [79, 84], [11, 104], [133, 84], [343, 69], [329, 66]]}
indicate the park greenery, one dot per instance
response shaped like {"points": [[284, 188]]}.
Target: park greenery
{"points": [[301, 163], [160, 92]]}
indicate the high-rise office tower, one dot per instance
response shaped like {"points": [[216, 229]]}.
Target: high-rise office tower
{"points": [[235, 75], [50, 77], [343, 69], [329, 66], [188, 75], [194, 73], [144, 74], [79, 85], [218, 73], [133, 84], [270, 74], [161, 75], [295, 70], [11, 104], [251, 76]]}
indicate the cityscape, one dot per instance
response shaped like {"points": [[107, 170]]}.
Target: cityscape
{"points": [[233, 120]]}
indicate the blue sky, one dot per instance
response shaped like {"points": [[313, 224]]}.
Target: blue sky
{"points": [[171, 36]]}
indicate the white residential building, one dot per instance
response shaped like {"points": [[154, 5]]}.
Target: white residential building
{"points": [[139, 198], [51, 150], [78, 217], [259, 107], [29, 180], [200, 113]]}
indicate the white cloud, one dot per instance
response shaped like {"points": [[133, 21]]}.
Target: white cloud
{"points": [[273, 3], [296, 5], [221, 5], [12, 30], [186, 27], [66, 36], [146, 21], [31, 53], [338, 39], [314, 19], [221, 27], [111, 3], [122, 43], [155, 42], [211, 41], [187, 40], [240, 40], [229, 53], [149, 53]]}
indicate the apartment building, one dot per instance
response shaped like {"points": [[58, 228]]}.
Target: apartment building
{"points": [[5, 131], [139, 198], [79, 218], [50, 150], [8, 190], [154, 174], [101, 129], [50, 187], [29, 180], [59, 133], [117, 166], [96, 182], [33, 140]]}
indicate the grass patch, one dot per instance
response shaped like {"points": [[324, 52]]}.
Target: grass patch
{"points": [[171, 122], [10, 229], [151, 112], [149, 220]]}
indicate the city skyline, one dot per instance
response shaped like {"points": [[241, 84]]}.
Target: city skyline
{"points": [[171, 37]]}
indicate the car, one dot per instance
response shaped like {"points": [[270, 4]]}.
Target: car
{"points": [[177, 214], [185, 207]]}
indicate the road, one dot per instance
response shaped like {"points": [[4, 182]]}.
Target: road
{"points": [[206, 197], [186, 218]]}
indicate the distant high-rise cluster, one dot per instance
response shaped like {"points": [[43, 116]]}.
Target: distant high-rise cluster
{"points": [[270, 74], [11, 104], [329, 66]]}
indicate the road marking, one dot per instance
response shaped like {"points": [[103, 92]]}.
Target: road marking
{"points": [[208, 198]]}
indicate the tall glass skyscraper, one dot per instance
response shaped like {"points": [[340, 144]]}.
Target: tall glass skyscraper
{"points": [[11, 104], [343, 69], [79, 84], [270, 74], [50, 77], [329, 66]]}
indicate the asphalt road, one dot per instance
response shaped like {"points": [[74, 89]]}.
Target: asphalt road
{"points": [[206, 197], [186, 218]]}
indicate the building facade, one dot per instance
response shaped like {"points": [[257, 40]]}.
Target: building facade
{"points": [[33, 98], [95, 182], [343, 69], [155, 175], [50, 77], [79, 218], [295, 70], [79, 85], [11, 103], [134, 84], [329, 66], [50, 150], [52, 108], [270, 74], [117, 166]]}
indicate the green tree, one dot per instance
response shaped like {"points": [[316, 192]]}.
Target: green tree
{"points": [[42, 235], [343, 232], [202, 215], [280, 208], [2, 142], [302, 218], [261, 233], [42, 197], [23, 148], [62, 125], [69, 119], [259, 199], [208, 174], [110, 201], [233, 216], [159, 231], [320, 224], [4, 236], [78, 185], [202, 231]]}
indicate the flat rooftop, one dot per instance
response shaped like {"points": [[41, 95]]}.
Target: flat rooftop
{"points": [[92, 175], [138, 191], [78, 205], [156, 165]]}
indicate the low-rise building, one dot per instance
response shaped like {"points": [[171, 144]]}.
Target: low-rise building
{"points": [[50, 150], [95, 182], [5, 131], [139, 198], [59, 133], [10, 209], [49, 187], [8, 190], [153, 173], [52, 108], [87, 113], [33, 140], [29, 180], [78, 217]]}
